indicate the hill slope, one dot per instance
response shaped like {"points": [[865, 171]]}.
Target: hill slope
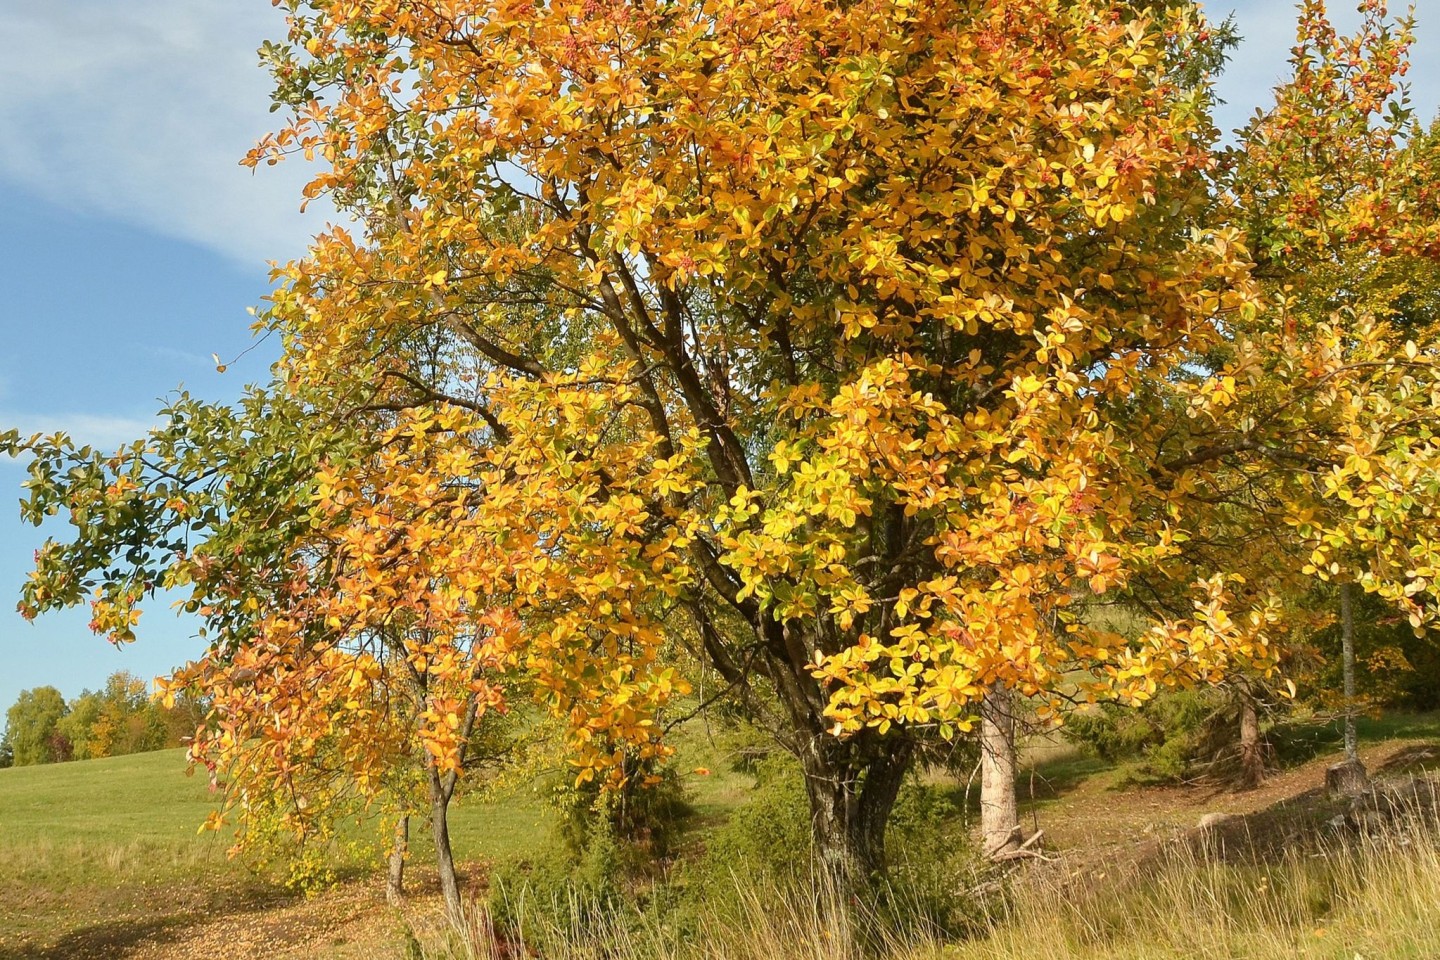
{"points": [[101, 859]]}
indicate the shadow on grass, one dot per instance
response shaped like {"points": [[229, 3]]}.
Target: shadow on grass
{"points": [[122, 936], [1416, 758], [1037, 783], [1296, 743], [1311, 822], [116, 938]]}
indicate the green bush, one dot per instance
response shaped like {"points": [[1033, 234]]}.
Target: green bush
{"points": [[606, 851], [932, 857], [643, 820], [767, 838], [592, 873], [1161, 741], [766, 844]]}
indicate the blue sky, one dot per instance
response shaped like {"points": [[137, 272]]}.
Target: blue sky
{"points": [[132, 242]]}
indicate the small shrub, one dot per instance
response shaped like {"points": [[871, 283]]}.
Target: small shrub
{"points": [[1161, 741], [932, 857], [606, 851], [643, 820], [767, 837]]}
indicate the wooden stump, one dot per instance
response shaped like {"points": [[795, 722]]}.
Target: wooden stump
{"points": [[1347, 779]]}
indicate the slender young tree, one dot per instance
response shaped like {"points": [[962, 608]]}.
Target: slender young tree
{"points": [[1348, 778], [1338, 185]]}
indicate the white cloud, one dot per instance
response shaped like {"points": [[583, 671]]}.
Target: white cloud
{"points": [[185, 358], [141, 111], [97, 430]]}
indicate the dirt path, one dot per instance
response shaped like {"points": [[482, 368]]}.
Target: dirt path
{"points": [[349, 921], [1091, 822]]}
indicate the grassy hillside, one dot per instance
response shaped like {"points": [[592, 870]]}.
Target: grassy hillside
{"points": [[97, 843], [100, 854], [97, 856], [102, 859]]}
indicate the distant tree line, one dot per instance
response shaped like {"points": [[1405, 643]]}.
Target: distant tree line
{"points": [[121, 718]]}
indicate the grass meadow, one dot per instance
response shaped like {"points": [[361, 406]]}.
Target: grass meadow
{"points": [[102, 859]]}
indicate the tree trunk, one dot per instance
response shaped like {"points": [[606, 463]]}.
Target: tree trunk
{"points": [[444, 856], [1252, 753], [1347, 662], [850, 802], [442, 788], [999, 815], [395, 872], [1348, 778]]}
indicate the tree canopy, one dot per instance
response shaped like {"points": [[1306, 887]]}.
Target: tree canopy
{"points": [[832, 352]]}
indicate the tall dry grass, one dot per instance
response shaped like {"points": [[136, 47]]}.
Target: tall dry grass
{"points": [[1338, 895], [1375, 897], [813, 922]]}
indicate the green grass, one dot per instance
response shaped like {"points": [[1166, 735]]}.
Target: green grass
{"points": [[1298, 741], [512, 822], [100, 842], [99, 856]]}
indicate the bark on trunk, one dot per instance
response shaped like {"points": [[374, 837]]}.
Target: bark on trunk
{"points": [[1347, 662], [395, 872], [999, 814], [444, 856], [1349, 777], [850, 803], [442, 788], [1252, 753]]}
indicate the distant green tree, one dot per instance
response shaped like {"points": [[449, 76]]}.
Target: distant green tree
{"points": [[129, 721], [78, 726], [118, 720], [31, 726], [7, 752]]}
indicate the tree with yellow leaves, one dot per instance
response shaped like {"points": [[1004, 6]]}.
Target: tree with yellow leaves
{"points": [[1338, 187], [794, 328], [1298, 446], [834, 347]]}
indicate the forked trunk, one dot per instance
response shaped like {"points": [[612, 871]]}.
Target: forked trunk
{"points": [[395, 869], [999, 814], [850, 804]]}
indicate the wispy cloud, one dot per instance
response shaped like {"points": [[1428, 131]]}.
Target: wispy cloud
{"points": [[184, 358], [102, 431], [142, 110]]}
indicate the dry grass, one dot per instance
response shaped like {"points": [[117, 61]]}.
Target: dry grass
{"points": [[1368, 896], [1340, 895], [758, 924]]}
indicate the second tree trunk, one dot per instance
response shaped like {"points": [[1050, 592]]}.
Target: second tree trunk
{"points": [[999, 814]]}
